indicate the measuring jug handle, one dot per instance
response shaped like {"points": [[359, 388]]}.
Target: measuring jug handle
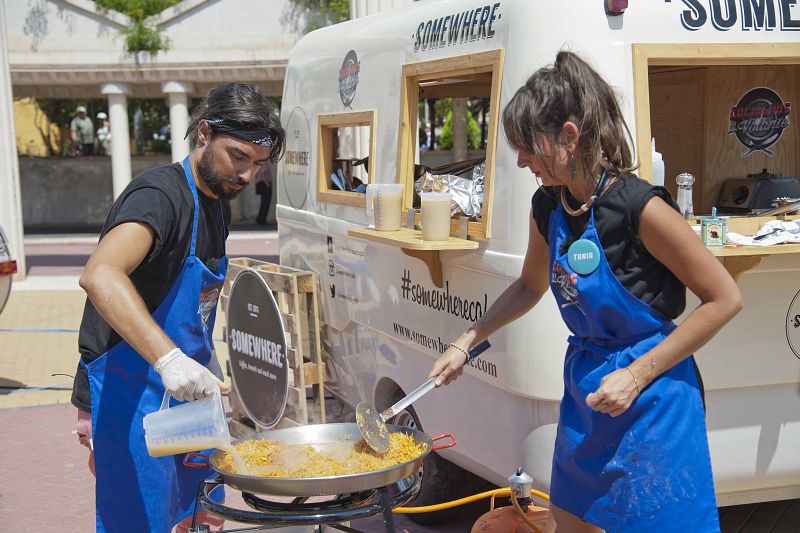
{"points": [[165, 401], [369, 206]]}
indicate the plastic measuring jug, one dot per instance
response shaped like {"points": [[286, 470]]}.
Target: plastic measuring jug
{"points": [[188, 427], [385, 202]]}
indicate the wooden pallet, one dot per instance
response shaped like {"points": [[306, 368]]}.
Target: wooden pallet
{"points": [[296, 292]]}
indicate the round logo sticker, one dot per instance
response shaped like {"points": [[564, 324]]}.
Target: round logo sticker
{"points": [[295, 166], [583, 256], [793, 325], [348, 78], [758, 120]]}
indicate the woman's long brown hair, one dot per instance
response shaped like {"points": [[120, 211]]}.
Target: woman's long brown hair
{"points": [[571, 90]]}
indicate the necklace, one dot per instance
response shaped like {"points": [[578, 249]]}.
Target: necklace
{"points": [[598, 190]]}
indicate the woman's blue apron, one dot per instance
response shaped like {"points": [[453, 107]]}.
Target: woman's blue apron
{"points": [[649, 469], [136, 492]]}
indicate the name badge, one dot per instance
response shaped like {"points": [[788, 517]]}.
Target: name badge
{"points": [[583, 256]]}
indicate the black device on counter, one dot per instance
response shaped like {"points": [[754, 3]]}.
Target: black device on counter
{"points": [[756, 191]]}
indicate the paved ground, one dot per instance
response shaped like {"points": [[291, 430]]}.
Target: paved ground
{"points": [[45, 484]]}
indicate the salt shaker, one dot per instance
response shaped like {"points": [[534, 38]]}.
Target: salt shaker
{"points": [[685, 181]]}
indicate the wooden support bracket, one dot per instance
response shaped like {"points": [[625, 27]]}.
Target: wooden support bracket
{"points": [[737, 265], [432, 261]]}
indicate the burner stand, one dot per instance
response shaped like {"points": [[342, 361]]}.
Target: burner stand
{"points": [[299, 512]]}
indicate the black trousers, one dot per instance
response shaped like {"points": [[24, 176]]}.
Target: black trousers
{"points": [[266, 198]]}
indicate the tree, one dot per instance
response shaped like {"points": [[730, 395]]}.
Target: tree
{"points": [[473, 133], [140, 37], [331, 11]]}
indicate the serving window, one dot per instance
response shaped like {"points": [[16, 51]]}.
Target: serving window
{"points": [[346, 147], [686, 97], [450, 111]]}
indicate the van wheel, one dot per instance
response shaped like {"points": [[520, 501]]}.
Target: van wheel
{"points": [[442, 481]]}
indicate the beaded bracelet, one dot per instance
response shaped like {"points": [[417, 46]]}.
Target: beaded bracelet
{"points": [[634, 379], [460, 349]]}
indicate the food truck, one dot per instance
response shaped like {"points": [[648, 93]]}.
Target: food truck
{"points": [[714, 82]]}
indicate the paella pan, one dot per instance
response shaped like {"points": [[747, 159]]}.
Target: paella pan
{"points": [[320, 436]]}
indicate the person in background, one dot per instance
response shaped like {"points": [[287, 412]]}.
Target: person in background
{"points": [[104, 134], [631, 451], [264, 190], [152, 284], [81, 132]]}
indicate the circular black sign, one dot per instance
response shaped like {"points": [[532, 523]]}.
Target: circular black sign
{"points": [[348, 78], [793, 325], [257, 348]]}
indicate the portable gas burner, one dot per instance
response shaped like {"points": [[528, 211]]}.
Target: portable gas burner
{"points": [[271, 514], [356, 495]]}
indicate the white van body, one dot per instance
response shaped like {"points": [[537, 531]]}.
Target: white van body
{"points": [[504, 410]]}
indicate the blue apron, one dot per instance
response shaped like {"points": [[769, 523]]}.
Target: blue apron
{"points": [[136, 492], [649, 469]]}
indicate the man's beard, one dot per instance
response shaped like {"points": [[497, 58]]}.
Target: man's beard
{"points": [[214, 181]]}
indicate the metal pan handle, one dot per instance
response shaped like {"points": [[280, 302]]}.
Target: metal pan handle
{"points": [[443, 446], [191, 455]]}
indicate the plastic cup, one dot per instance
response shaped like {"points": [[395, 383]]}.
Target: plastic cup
{"points": [[385, 202], [435, 215], [189, 427]]}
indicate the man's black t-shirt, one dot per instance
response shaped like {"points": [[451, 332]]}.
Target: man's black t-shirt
{"points": [[616, 216], [161, 198]]}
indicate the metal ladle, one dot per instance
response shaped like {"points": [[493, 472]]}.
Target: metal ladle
{"points": [[373, 424]]}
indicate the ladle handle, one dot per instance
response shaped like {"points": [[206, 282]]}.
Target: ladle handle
{"points": [[423, 389], [416, 394]]}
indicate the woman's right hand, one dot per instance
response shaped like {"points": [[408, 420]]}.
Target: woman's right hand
{"points": [[449, 366]]}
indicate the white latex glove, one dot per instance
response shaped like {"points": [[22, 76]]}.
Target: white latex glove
{"points": [[184, 378]]}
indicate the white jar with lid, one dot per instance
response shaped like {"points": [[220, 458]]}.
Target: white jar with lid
{"points": [[658, 165]]}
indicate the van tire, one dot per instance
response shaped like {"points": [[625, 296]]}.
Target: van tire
{"points": [[442, 481]]}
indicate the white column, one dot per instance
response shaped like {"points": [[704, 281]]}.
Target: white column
{"points": [[10, 198], [178, 101], [120, 136]]}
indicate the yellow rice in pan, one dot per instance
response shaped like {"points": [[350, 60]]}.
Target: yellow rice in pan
{"points": [[266, 458]]}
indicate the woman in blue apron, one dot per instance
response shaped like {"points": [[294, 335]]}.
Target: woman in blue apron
{"points": [[631, 452], [159, 492]]}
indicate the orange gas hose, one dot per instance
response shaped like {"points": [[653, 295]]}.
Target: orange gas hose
{"points": [[503, 493], [522, 514]]}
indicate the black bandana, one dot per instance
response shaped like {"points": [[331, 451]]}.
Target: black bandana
{"points": [[260, 136]]}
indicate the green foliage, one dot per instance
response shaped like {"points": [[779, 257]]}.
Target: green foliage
{"points": [[473, 133], [151, 134], [140, 37], [337, 10], [442, 107], [331, 11]]}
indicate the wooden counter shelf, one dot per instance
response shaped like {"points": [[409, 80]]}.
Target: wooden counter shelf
{"points": [[739, 259], [411, 243]]}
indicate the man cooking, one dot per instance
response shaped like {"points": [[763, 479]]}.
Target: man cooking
{"points": [[152, 285]]}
